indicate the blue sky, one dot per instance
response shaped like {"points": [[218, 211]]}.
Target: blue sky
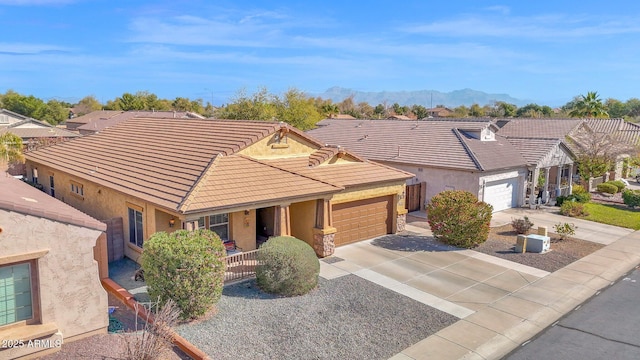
{"points": [[545, 51]]}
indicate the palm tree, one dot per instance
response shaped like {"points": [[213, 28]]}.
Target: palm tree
{"points": [[10, 149], [329, 110], [589, 106]]}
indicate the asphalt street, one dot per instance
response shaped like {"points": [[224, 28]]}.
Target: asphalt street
{"points": [[605, 327]]}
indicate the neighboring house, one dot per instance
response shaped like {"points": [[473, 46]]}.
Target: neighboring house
{"points": [[52, 258], [246, 180], [74, 123], [342, 116], [9, 117], [439, 112], [97, 125], [443, 155], [34, 134], [399, 117], [568, 130]]}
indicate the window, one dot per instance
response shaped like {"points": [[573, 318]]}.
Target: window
{"points": [[35, 176], [201, 223], [52, 190], [220, 225], [16, 293], [77, 189], [135, 227]]}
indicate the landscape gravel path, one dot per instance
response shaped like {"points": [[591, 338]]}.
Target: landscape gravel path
{"points": [[344, 318]]}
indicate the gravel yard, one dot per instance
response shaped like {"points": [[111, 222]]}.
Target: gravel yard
{"points": [[344, 318], [563, 252]]}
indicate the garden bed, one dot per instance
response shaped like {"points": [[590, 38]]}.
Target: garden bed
{"points": [[563, 252]]}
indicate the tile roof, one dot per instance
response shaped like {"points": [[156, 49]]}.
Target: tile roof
{"points": [[18, 196], [99, 124], [155, 160], [431, 142], [238, 180], [346, 174], [534, 150], [192, 165], [94, 115], [539, 128]]}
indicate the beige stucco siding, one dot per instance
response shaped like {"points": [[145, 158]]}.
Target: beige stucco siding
{"points": [[243, 229], [71, 295], [303, 216], [269, 147]]}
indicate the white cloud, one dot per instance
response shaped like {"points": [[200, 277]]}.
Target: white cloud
{"points": [[543, 27]]}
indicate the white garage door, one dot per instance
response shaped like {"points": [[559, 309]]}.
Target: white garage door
{"points": [[502, 194]]}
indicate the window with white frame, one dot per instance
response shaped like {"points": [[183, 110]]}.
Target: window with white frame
{"points": [[16, 293], [220, 225]]}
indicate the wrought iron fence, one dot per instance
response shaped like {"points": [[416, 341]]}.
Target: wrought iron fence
{"points": [[240, 266]]}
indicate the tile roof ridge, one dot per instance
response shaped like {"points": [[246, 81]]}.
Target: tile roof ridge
{"points": [[467, 149], [188, 197], [289, 171]]}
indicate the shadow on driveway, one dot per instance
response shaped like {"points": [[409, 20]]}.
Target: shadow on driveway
{"points": [[411, 243]]}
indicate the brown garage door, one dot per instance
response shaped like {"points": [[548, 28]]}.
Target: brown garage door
{"points": [[362, 219]]}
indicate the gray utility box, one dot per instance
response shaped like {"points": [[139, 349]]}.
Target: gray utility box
{"points": [[538, 243]]}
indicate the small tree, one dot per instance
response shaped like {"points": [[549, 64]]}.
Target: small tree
{"points": [[10, 149], [187, 267], [457, 218]]}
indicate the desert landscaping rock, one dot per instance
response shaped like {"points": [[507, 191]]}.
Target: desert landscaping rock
{"points": [[344, 318]]}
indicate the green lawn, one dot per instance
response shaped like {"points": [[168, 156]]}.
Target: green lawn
{"points": [[618, 215]]}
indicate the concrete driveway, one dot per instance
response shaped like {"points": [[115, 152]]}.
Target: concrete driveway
{"points": [[500, 304]]}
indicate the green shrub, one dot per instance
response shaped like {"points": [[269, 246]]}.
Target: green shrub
{"points": [[457, 218], [607, 188], [521, 226], [287, 266], [631, 198], [582, 197], [618, 184], [187, 267], [564, 230], [579, 189], [560, 200], [573, 209]]}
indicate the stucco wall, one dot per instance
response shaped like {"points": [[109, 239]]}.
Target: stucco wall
{"points": [[269, 147], [439, 180], [104, 203], [243, 229], [303, 220], [71, 295]]}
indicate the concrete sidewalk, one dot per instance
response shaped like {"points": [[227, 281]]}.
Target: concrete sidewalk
{"points": [[492, 331]]}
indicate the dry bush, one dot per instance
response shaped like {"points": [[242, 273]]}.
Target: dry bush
{"points": [[155, 339]]}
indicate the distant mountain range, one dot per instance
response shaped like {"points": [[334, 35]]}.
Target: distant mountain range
{"points": [[425, 98]]}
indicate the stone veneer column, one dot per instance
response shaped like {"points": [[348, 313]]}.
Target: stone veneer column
{"points": [[401, 222], [324, 241]]}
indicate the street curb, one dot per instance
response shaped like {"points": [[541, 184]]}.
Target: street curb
{"points": [[128, 299]]}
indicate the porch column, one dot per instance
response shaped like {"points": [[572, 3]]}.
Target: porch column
{"points": [[545, 190], [570, 181], [282, 221], [558, 178], [323, 232], [533, 196]]}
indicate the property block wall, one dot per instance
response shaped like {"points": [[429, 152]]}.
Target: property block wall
{"points": [[72, 298]]}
